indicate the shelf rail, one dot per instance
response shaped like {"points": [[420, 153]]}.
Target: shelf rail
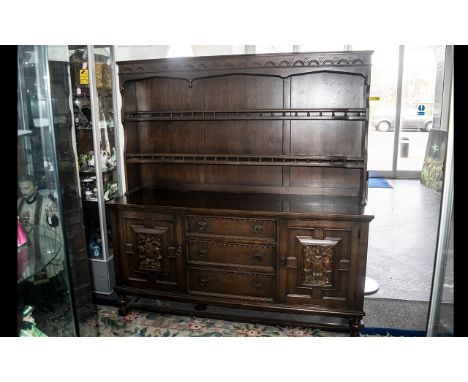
{"points": [[348, 114], [253, 160]]}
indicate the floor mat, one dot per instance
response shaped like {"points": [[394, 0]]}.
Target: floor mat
{"points": [[378, 183]]}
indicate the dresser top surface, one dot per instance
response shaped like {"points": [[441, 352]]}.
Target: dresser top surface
{"points": [[322, 206]]}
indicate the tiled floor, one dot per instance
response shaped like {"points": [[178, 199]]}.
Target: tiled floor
{"points": [[402, 240], [402, 245]]}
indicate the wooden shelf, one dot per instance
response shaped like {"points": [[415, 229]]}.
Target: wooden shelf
{"points": [[353, 114], [252, 160]]}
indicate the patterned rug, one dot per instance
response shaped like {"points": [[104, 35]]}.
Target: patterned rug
{"points": [[149, 324]]}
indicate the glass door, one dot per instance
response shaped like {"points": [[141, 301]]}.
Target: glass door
{"points": [[53, 287], [404, 83], [441, 308], [382, 109], [420, 71], [44, 300]]}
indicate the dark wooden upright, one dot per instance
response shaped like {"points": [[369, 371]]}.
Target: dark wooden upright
{"points": [[247, 181]]}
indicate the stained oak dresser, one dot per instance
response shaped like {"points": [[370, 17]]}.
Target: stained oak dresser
{"points": [[246, 185]]}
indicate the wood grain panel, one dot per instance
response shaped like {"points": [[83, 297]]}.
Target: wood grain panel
{"points": [[169, 137], [334, 138], [247, 175], [319, 177], [236, 92], [166, 94], [131, 144], [129, 101], [318, 90], [133, 176], [243, 137], [160, 175]]}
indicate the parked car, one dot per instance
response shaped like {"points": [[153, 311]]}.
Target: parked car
{"points": [[384, 120]]}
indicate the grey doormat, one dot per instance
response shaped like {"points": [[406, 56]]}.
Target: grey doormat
{"points": [[395, 314]]}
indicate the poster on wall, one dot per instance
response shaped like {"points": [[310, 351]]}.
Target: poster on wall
{"points": [[432, 173]]}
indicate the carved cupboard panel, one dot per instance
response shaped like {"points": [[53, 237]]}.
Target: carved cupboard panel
{"points": [[319, 263], [152, 254]]}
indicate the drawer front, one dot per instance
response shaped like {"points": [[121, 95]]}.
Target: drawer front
{"points": [[231, 253], [215, 282], [232, 226]]}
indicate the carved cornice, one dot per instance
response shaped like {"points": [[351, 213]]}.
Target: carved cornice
{"points": [[245, 62]]}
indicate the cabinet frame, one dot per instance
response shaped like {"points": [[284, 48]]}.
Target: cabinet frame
{"points": [[102, 267], [244, 153]]}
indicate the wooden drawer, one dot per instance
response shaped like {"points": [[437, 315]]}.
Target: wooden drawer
{"points": [[231, 253], [221, 282], [232, 226]]}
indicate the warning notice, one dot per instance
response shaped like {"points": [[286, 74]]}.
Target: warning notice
{"points": [[84, 78]]}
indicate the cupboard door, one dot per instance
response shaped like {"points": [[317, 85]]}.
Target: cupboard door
{"points": [[152, 255], [320, 263]]}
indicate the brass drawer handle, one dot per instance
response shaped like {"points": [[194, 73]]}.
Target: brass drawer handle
{"points": [[203, 253], [283, 259], [258, 256], [204, 281], [258, 228], [201, 225], [258, 285], [173, 251]]}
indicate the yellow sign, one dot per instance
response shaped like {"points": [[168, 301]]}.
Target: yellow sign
{"points": [[84, 79], [374, 98]]}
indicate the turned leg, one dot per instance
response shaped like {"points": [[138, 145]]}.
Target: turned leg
{"points": [[355, 327], [123, 302]]}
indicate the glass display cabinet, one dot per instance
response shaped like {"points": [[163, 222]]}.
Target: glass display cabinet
{"points": [[93, 96], [54, 292]]}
